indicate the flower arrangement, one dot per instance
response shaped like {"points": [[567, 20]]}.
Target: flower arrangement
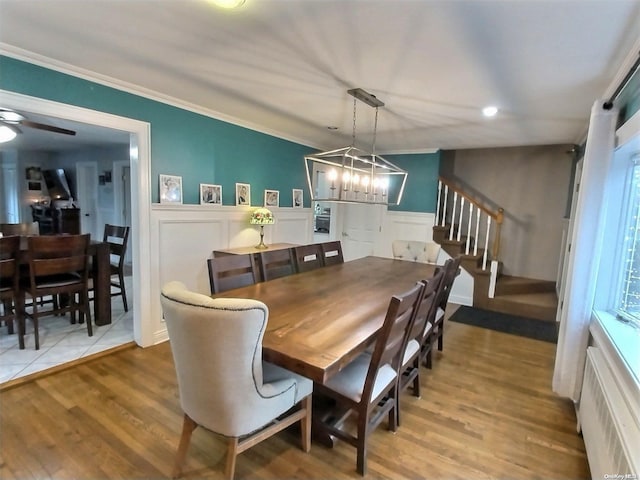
{"points": [[261, 216]]}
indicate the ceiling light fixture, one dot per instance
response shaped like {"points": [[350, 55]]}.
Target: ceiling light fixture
{"points": [[8, 132], [228, 4], [352, 175], [490, 111]]}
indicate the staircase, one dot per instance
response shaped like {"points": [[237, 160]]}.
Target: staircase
{"points": [[512, 295]]}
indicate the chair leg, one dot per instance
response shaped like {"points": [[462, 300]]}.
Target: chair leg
{"points": [[232, 453], [305, 424], [123, 291], [361, 458], [87, 312], [8, 307], [188, 426]]}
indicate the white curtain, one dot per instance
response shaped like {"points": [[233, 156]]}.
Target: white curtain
{"points": [[586, 243]]}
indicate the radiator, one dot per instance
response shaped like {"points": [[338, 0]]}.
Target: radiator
{"points": [[609, 423]]}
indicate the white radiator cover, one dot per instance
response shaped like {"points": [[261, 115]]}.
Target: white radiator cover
{"points": [[609, 424]]}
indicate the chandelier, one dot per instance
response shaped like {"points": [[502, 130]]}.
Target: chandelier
{"points": [[353, 175]]}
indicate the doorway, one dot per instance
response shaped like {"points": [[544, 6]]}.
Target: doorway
{"points": [[139, 174]]}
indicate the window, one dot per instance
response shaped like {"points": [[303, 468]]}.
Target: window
{"points": [[628, 303]]}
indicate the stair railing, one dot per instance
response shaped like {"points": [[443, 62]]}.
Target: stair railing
{"points": [[456, 214]]}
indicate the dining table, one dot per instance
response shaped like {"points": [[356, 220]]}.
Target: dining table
{"points": [[322, 319]]}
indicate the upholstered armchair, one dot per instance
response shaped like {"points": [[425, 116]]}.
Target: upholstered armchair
{"points": [[415, 251], [223, 382]]}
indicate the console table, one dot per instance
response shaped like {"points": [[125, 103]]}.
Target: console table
{"points": [[54, 220]]}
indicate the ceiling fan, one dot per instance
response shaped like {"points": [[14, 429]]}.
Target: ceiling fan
{"points": [[12, 119]]}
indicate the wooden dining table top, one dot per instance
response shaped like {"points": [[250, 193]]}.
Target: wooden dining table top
{"points": [[320, 320]]}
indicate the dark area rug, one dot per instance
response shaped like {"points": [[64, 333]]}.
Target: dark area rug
{"points": [[503, 322]]}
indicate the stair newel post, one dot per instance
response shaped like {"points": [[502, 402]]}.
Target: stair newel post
{"points": [[486, 244], [496, 242], [469, 228], [475, 245], [444, 206], [453, 214], [462, 199], [438, 202]]}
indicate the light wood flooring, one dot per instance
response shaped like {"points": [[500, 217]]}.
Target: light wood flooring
{"points": [[487, 412]]}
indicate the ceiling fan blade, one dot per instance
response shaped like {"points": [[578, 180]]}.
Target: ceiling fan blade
{"points": [[49, 128]]}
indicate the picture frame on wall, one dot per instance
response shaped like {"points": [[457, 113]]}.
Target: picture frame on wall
{"points": [[243, 194], [297, 198], [170, 188], [271, 198], [210, 194]]}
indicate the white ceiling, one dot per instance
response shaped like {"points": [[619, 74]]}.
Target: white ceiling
{"points": [[284, 66]]}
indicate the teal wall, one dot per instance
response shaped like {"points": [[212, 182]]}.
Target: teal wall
{"points": [[421, 189], [202, 149]]}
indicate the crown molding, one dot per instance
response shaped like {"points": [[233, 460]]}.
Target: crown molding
{"points": [[91, 76]]}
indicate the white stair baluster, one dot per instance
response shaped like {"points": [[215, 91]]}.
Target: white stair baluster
{"points": [[462, 199], [438, 202], [453, 214], [475, 245], [444, 205], [486, 244], [469, 228]]}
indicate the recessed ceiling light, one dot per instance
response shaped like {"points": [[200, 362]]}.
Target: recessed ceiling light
{"points": [[489, 111], [229, 4]]}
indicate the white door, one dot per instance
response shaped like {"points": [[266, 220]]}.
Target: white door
{"points": [[361, 227], [9, 207], [87, 191]]}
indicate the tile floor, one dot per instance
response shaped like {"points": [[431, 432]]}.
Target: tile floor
{"points": [[61, 342]]}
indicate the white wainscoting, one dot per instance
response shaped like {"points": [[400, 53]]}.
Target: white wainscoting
{"points": [[183, 237]]}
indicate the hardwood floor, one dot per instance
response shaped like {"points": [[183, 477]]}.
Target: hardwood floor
{"points": [[487, 411]]}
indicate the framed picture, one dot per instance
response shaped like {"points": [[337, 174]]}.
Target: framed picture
{"points": [[243, 194], [297, 198], [34, 174], [210, 194], [170, 189], [271, 198], [35, 186]]}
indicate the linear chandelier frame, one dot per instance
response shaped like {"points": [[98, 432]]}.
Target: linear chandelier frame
{"points": [[352, 175]]}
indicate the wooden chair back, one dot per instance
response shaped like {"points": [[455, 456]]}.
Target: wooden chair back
{"points": [[418, 341], [332, 253], [118, 239], [308, 257], [368, 386], [59, 264], [277, 263], [231, 271], [9, 279], [23, 229]]}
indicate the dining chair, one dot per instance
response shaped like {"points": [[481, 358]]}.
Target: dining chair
{"points": [[308, 257], [231, 271], [418, 342], [58, 265], [224, 385], [118, 239], [367, 386], [332, 253], [10, 284], [416, 251], [451, 271], [23, 229], [276, 263]]}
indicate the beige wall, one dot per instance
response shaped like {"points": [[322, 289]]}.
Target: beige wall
{"points": [[532, 185]]}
